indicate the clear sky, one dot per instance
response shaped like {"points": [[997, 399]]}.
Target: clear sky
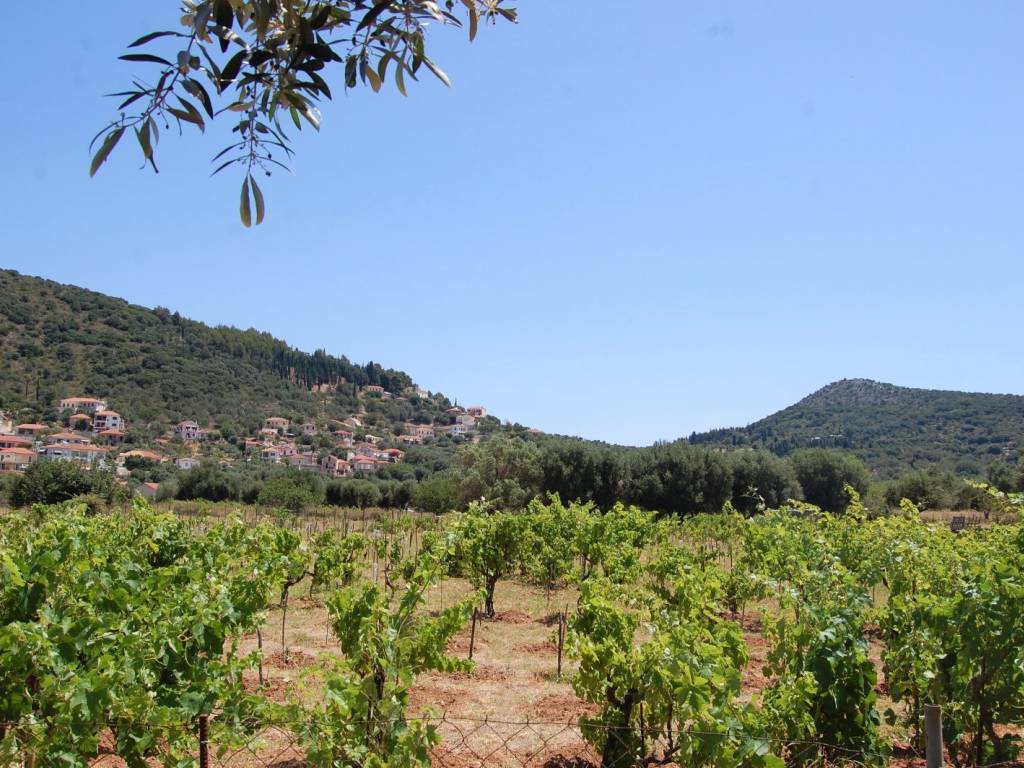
{"points": [[625, 221]]}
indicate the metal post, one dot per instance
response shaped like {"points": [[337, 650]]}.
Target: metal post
{"points": [[204, 741], [933, 735]]}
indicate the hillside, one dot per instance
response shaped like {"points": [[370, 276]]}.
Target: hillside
{"points": [[157, 367], [893, 429]]}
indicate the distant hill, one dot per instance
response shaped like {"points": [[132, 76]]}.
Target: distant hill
{"points": [[158, 368], [893, 429]]}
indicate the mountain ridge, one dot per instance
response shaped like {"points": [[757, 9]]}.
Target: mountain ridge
{"points": [[60, 340], [892, 428]]}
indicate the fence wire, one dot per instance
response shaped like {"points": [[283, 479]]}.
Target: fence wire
{"points": [[465, 742]]}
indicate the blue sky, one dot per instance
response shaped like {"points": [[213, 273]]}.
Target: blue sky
{"points": [[625, 221]]}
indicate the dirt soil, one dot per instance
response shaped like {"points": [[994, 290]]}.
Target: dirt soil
{"points": [[512, 710]]}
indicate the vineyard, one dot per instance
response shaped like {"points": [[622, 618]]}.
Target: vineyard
{"points": [[557, 636]]}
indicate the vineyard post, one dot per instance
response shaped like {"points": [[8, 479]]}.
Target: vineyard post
{"points": [[561, 639], [204, 741], [472, 634], [259, 646], [933, 735]]}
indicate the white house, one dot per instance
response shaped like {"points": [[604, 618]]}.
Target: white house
{"points": [[91, 455], [91, 404], [187, 431], [104, 420]]}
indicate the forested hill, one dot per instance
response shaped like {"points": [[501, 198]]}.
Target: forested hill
{"points": [[893, 429], [158, 367]]}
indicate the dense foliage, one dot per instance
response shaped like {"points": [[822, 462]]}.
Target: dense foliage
{"points": [[160, 368], [892, 429], [657, 631]]}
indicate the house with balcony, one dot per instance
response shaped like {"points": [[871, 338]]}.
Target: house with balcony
{"points": [[365, 464], [104, 420], [16, 459], [89, 455], [187, 431], [305, 461], [67, 438], [365, 449], [91, 404], [111, 437], [332, 466], [276, 423], [30, 430], [16, 441]]}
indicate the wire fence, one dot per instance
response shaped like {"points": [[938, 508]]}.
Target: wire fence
{"points": [[465, 742]]}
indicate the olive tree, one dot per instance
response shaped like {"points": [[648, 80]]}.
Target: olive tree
{"points": [[263, 64]]}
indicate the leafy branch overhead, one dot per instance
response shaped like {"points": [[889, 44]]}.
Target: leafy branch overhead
{"points": [[264, 63]]}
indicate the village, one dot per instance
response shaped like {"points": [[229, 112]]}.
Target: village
{"points": [[89, 432]]}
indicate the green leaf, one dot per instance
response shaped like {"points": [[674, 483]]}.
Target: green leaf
{"points": [[438, 71], [257, 195], [245, 210], [153, 36], [104, 151], [374, 79], [372, 14], [231, 69], [145, 57], [400, 78]]}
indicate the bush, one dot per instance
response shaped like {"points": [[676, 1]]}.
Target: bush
{"points": [[207, 481], [293, 491], [54, 482], [824, 473], [353, 493], [437, 494]]}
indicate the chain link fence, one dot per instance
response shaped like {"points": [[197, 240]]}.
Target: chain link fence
{"points": [[465, 742]]}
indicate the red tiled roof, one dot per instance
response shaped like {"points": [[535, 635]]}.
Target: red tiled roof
{"points": [[31, 426], [108, 413], [18, 451], [143, 455]]}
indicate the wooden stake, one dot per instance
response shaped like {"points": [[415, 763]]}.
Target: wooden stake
{"points": [[933, 735], [204, 741], [561, 640], [259, 645], [472, 634]]}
